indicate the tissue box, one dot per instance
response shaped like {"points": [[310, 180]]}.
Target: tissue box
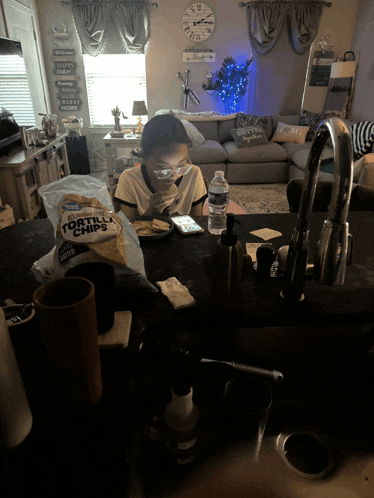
{"points": [[6, 216]]}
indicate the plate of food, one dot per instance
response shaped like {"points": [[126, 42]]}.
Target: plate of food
{"points": [[150, 228]]}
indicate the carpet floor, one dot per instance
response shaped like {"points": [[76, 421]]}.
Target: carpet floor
{"points": [[261, 198]]}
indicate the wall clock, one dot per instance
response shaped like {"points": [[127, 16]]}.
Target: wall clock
{"points": [[198, 22]]}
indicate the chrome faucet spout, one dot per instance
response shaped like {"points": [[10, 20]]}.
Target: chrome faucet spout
{"points": [[332, 250]]}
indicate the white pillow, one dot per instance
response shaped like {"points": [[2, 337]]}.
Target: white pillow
{"points": [[193, 133]]}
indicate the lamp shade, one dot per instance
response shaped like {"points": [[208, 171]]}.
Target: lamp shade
{"points": [[344, 69], [139, 108]]}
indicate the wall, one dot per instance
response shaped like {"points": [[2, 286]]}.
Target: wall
{"points": [[363, 40], [338, 21], [164, 59]]}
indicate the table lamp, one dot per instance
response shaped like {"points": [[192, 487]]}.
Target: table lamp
{"points": [[139, 109]]}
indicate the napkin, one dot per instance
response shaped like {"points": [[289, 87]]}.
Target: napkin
{"points": [[178, 295], [266, 233]]}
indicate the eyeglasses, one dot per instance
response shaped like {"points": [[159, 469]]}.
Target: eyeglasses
{"points": [[163, 174]]}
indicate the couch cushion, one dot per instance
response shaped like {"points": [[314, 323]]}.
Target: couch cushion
{"points": [[208, 152], [193, 133], [207, 128], [244, 120], [290, 148], [270, 152], [224, 128], [300, 157], [249, 136]]}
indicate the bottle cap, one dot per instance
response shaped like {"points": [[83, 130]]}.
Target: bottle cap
{"points": [[228, 238], [219, 173]]}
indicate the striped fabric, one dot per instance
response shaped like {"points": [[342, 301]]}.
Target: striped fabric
{"points": [[362, 138]]}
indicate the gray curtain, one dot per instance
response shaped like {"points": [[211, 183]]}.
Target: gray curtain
{"points": [[133, 25], [265, 22], [264, 25], [303, 23], [127, 22]]}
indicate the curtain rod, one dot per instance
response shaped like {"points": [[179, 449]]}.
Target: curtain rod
{"points": [[263, 2], [155, 4]]}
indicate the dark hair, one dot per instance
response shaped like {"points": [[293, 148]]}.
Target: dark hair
{"points": [[163, 131]]}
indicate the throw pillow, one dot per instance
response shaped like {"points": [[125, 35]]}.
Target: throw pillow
{"points": [[244, 120], [252, 135], [313, 120], [290, 134], [362, 138], [193, 133]]}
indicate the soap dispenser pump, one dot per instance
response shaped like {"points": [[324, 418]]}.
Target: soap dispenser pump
{"points": [[227, 268]]}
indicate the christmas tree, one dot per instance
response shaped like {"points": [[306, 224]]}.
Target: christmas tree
{"points": [[232, 82]]}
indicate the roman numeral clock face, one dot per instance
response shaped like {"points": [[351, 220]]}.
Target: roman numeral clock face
{"points": [[198, 22]]}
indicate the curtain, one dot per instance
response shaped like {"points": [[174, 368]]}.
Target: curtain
{"points": [[127, 22], [264, 26], [303, 23], [266, 19]]}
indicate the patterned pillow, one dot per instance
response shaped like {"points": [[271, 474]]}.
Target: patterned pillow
{"points": [[362, 138], [245, 120], [313, 120], [193, 133], [252, 135]]}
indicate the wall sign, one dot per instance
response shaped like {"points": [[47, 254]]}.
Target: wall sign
{"points": [[69, 107], [321, 68], [189, 56], [65, 70]]}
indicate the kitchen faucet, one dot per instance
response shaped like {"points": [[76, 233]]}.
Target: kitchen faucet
{"points": [[335, 243]]}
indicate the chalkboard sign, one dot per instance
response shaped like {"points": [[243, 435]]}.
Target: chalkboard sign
{"points": [[65, 69], [69, 107], [63, 51], [66, 84], [321, 68], [65, 65]]}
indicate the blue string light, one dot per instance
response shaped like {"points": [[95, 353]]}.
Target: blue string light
{"points": [[232, 82]]}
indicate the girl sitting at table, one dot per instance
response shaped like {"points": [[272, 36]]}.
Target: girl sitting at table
{"points": [[166, 182]]}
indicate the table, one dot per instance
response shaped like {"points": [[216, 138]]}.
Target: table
{"points": [[111, 146], [320, 346]]}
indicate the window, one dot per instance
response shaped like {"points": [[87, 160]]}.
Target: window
{"points": [[114, 80], [14, 90]]}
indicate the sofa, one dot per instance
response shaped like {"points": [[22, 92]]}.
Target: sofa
{"points": [[214, 148]]}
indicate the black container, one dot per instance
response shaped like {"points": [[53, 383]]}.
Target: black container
{"points": [[102, 277]]}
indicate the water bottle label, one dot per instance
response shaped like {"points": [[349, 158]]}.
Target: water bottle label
{"points": [[218, 199]]}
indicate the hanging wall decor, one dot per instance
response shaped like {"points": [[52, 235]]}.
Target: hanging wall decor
{"points": [[321, 68]]}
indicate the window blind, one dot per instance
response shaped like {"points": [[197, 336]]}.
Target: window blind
{"points": [[114, 80], [14, 90]]}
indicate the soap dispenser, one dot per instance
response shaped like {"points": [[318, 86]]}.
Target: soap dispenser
{"points": [[227, 268]]}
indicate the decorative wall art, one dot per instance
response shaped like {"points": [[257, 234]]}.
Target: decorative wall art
{"points": [[65, 70], [321, 68]]}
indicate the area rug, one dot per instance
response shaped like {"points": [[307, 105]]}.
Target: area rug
{"points": [[261, 198]]}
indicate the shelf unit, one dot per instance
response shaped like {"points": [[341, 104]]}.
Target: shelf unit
{"points": [[25, 171]]}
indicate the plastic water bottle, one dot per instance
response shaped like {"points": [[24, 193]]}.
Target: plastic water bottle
{"points": [[218, 199]]}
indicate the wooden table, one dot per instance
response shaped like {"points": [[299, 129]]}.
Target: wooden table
{"points": [[111, 146]]}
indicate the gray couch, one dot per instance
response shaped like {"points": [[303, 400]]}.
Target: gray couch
{"points": [[270, 163]]}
